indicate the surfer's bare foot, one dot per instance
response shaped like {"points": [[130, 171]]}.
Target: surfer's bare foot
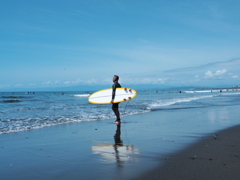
{"points": [[117, 122]]}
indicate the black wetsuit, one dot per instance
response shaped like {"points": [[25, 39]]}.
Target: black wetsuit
{"points": [[114, 86]]}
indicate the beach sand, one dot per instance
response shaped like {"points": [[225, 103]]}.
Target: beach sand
{"points": [[211, 158], [169, 144]]}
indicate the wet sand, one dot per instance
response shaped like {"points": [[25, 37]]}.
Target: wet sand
{"points": [[176, 144], [211, 158]]}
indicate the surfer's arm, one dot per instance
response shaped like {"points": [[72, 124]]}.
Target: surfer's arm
{"points": [[113, 92]]}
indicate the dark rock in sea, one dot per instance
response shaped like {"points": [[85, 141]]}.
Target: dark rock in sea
{"points": [[13, 97], [11, 101]]}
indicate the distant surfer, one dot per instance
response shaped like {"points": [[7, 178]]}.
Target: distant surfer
{"points": [[115, 105]]}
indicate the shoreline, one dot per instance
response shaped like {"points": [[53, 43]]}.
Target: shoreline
{"points": [[210, 158]]}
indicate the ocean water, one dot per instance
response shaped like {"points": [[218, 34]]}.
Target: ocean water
{"points": [[21, 111]]}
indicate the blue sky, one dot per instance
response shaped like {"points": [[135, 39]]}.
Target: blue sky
{"points": [[58, 43]]}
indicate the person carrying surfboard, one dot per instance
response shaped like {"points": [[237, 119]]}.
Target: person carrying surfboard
{"points": [[115, 105]]}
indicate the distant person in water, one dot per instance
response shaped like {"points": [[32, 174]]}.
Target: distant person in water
{"points": [[115, 105]]}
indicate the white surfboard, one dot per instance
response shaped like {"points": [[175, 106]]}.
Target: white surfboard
{"points": [[105, 96]]}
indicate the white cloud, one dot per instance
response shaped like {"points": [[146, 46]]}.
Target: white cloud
{"points": [[31, 84], [91, 81], [235, 76], [67, 82], [197, 76], [77, 81], [161, 80], [47, 83], [209, 74], [71, 82], [220, 72], [144, 80], [109, 81]]}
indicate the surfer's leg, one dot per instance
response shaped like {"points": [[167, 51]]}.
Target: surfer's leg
{"points": [[116, 112]]}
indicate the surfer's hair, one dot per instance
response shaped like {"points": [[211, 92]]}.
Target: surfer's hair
{"points": [[117, 77]]}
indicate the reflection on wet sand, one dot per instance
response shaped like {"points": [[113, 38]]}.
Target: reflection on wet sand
{"points": [[216, 116], [116, 152]]}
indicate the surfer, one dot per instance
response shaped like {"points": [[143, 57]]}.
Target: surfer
{"points": [[115, 105]]}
